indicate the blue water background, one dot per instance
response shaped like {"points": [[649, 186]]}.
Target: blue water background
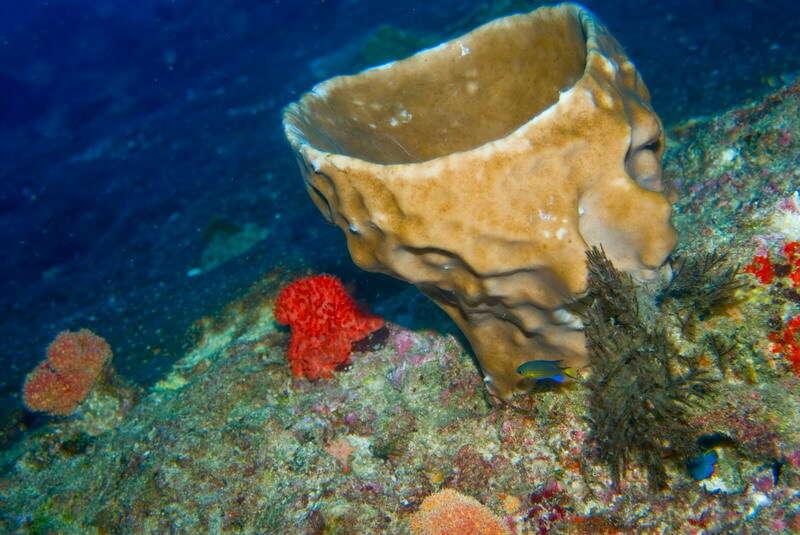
{"points": [[128, 129]]}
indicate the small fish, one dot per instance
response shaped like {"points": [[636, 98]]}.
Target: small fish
{"points": [[546, 369], [702, 467]]}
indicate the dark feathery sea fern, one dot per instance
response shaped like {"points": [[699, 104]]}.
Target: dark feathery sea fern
{"points": [[699, 285], [641, 386], [721, 349]]}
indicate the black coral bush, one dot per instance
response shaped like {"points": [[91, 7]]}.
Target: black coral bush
{"points": [[641, 386]]}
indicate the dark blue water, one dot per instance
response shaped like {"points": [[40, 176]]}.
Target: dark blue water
{"points": [[132, 138]]}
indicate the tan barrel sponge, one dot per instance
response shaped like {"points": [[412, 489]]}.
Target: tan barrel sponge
{"points": [[481, 170]]}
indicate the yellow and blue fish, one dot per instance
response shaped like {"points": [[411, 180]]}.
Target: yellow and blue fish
{"points": [[546, 369], [702, 466]]}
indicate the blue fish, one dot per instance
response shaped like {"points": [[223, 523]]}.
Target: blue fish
{"points": [[702, 466], [546, 369]]}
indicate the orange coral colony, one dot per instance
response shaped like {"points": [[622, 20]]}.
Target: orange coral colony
{"points": [[449, 512], [325, 322], [61, 382]]}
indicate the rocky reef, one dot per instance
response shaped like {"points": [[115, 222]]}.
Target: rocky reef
{"points": [[230, 442], [404, 437]]}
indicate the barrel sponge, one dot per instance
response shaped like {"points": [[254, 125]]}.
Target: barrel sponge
{"points": [[483, 169]]}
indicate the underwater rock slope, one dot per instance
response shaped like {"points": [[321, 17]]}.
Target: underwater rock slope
{"points": [[230, 442]]}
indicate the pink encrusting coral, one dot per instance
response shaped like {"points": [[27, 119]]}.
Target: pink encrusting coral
{"points": [[325, 322], [60, 383]]}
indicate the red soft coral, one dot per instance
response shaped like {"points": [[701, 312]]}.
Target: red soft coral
{"points": [[786, 342], [60, 383], [792, 252], [325, 322], [762, 268]]}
